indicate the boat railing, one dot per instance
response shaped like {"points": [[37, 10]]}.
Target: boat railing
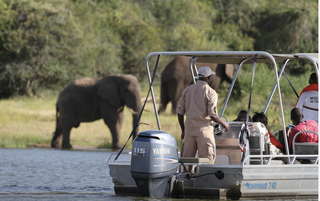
{"points": [[287, 159]]}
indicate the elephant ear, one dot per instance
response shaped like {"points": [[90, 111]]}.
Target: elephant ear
{"points": [[230, 70], [110, 94]]}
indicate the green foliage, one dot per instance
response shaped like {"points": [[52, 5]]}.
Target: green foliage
{"points": [[290, 30], [231, 36], [287, 26], [49, 43], [39, 37], [100, 46]]}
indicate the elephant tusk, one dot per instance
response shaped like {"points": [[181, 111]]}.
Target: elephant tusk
{"points": [[132, 111]]}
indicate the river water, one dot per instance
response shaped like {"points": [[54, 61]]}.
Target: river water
{"points": [[53, 174]]}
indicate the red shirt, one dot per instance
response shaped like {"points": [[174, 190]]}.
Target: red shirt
{"points": [[309, 125], [274, 141]]}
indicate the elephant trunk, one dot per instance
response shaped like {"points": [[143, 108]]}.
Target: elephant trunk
{"points": [[135, 115], [132, 100], [134, 121]]}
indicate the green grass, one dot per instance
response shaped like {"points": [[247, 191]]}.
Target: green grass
{"points": [[26, 121]]}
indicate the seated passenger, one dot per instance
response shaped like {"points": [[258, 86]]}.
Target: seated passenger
{"points": [[261, 117], [300, 125], [242, 116], [264, 131]]}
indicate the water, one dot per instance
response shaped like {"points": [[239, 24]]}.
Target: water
{"points": [[50, 173], [53, 174]]}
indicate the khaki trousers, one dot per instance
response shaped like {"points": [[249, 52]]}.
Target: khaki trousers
{"points": [[205, 145]]}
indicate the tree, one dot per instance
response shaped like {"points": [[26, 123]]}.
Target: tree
{"points": [[33, 37]]}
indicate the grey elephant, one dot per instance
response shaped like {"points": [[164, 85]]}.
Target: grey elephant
{"points": [[176, 76], [87, 100]]}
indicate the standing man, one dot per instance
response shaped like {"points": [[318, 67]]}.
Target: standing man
{"points": [[199, 103], [308, 99]]}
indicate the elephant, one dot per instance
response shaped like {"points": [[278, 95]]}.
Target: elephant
{"points": [[87, 100], [176, 76]]}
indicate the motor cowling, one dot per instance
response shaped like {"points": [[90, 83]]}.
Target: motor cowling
{"points": [[154, 160]]}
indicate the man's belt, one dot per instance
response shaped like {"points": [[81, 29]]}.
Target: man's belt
{"points": [[315, 109]]}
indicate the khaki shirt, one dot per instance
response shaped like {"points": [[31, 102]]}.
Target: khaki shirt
{"points": [[198, 102]]}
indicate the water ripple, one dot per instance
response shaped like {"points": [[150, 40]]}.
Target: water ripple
{"points": [[43, 171]]}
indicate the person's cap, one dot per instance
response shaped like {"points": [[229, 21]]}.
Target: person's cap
{"points": [[205, 71], [313, 79]]}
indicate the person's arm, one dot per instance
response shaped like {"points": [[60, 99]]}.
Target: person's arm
{"points": [[181, 111], [212, 110], [291, 134], [181, 123], [217, 119]]}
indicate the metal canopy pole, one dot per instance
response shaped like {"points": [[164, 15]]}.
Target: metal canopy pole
{"points": [[152, 93], [192, 63], [275, 86], [232, 85], [281, 108]]}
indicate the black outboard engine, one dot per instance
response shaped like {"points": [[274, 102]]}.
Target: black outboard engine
{"points": [[154, 160]]}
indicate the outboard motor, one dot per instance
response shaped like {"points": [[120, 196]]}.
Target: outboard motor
{"points": [[154, 160]]}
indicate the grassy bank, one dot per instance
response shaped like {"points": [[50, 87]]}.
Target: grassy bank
{"points": [[29, 121], [26, 121]]}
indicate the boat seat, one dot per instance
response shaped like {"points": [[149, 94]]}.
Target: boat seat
{"points": [[193, 161], [220, 160], [254, 144], [304, 148], [258, 143]]}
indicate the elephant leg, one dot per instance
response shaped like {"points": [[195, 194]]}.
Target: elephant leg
{"points": [[114, 122], [175, 92], [164, 98], [66, 137], [174, 106], [163, 106], [56, 140], [120, 119]]}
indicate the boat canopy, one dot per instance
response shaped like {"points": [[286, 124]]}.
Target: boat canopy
{"points": [[236, 57], [239, 58]]}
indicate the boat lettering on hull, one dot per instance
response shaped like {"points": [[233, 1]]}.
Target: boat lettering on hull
{"points": [[267, 185]]}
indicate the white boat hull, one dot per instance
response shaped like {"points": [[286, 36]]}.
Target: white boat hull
{"points": [[276, 179]]}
